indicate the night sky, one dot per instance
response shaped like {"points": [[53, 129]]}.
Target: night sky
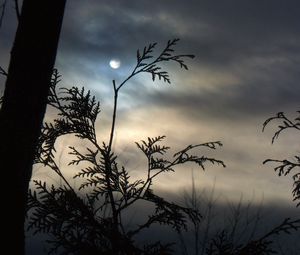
{"points": [[246, 69]]}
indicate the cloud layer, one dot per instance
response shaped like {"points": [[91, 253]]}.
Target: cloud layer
{"points": [[246, 69]]}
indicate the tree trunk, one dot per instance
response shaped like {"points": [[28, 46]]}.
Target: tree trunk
{"points": [[21, 116]]}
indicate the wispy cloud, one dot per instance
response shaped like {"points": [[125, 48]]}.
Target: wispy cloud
{"points": [[246, 68]]}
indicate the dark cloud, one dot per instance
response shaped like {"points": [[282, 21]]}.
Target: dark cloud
{"points": [[251, 99], [224, 30], [246, 69], [255, 41]]}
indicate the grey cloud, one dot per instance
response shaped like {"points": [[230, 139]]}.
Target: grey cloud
{"points": [[255, 40], [252, 99], [231, 27]]}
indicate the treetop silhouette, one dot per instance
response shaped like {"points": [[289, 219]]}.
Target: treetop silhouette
{"points": [[93, 222]]}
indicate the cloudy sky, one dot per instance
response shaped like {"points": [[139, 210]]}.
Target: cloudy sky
{"points": [[246, 69]]}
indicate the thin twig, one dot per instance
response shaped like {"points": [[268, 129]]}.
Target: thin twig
{"points": [[114, 116], [107, 159]]}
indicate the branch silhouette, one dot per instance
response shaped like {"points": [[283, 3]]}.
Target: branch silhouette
{"points": [[285, 167], [93, 222], [90, 219]]}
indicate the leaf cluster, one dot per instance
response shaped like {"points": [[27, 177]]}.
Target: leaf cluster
{"points": [[90, 220], [67, 218], [152, 67], [284, 123], [146, 62], [285, 166], [61, 212], [77, 113]]}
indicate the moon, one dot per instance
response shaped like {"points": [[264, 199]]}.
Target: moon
{"points": [[115, 63]]}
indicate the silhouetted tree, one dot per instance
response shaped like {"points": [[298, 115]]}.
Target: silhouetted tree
{"points": [[285, 166], [24, 103], [92, 222]]}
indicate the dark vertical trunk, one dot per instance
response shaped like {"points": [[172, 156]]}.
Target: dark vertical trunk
{"points": [[25, 99]]}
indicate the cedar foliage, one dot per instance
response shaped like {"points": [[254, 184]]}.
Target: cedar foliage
{"points": [[92, 223], [90, 220], [284, 166]]}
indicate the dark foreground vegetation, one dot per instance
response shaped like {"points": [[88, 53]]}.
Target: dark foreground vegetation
{"points": [[92, 218]]}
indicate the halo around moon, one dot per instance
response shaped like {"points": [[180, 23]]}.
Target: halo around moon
{"points": [[115, 63]]}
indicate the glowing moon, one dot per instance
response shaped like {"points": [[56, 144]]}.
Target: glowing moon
{"points": [[115, 63]]}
